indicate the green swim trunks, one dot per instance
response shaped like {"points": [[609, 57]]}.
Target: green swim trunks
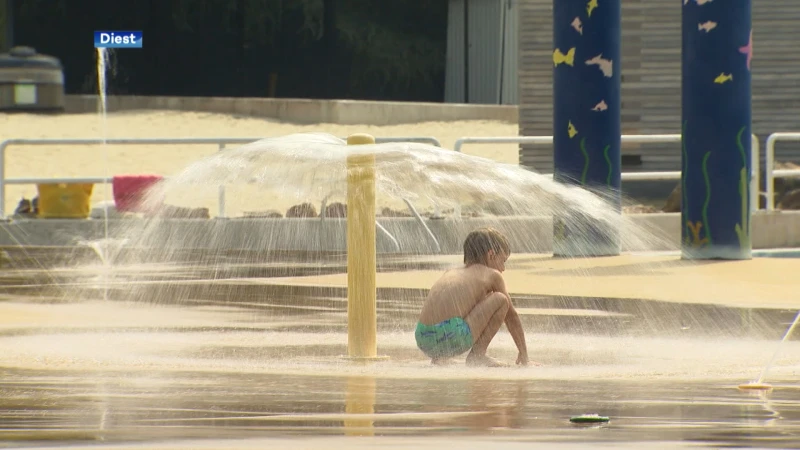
{"points": [[446, 339]]}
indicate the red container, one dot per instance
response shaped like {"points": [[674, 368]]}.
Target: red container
{"points": [[130, 191]]}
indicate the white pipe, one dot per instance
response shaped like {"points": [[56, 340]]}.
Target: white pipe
{"points": [[221, 191], [755, 173]]}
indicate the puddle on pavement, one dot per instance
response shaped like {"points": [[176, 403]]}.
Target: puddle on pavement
{"points": [[256, 363]]}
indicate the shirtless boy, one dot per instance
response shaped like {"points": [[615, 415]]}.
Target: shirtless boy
{"points": [[467, 305]]}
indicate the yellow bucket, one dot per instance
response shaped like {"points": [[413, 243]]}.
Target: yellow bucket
{"points": [[65, 201]]}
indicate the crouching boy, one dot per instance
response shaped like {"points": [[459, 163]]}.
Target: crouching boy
{"points": [[467, 305]]}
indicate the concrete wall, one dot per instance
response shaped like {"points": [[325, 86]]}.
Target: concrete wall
{"points": [[347, 112], [526, 234]]}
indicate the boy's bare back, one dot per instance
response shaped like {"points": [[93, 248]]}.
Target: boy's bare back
{"points": [[457, 292]]}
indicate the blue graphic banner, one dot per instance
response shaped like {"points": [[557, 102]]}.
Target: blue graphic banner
{"points": [[717, 54], [586, 118]]}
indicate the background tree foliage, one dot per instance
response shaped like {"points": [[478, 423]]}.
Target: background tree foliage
{"points": [[369, 49], [4, 23]]}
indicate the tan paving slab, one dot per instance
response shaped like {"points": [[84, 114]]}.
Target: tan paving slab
{"points": [[760, 282]]}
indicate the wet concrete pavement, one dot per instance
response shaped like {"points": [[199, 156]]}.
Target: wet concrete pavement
{"points": [[167, 356]]}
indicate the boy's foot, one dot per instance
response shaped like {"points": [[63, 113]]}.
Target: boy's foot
{"points": [[483, 361]]}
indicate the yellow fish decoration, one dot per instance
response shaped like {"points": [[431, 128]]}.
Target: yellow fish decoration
{"points": [[591, 6], [560, 58], [571, 130], [723, 78]]}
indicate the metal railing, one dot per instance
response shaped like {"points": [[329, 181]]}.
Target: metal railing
{"points": [[770, 173], [634, 139], [221, 142]]}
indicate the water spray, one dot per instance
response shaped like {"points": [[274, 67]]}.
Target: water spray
{"points": [[102, 89], [758, 384]]}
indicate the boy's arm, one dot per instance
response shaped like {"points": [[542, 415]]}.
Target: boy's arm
{"points": [[513, 323]]}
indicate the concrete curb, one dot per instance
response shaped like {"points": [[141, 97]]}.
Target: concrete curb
{"points": [[779, 229], [305, 111]]}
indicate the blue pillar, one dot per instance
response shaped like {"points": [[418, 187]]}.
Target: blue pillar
{"points": [[586, 119], [715, 208]]}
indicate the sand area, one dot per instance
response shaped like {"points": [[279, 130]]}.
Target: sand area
{"points": [[83, 161]]}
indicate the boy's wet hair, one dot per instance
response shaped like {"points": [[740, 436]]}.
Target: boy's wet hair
{"points": [[478, 243]]}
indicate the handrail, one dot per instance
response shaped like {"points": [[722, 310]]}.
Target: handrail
{"points": [[755, 172], [769, 160], [388, 235], [424, 225], [221, 143], [323, 214]]}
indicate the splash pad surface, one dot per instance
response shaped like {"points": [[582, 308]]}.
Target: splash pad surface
{"points": [[263, 367], [756, 283]]}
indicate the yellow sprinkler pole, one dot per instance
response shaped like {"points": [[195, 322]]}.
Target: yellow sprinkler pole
{"points": [[362, 318]]}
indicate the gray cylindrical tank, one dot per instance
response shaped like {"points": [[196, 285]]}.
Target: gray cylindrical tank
{"points": [[30, 81]]}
